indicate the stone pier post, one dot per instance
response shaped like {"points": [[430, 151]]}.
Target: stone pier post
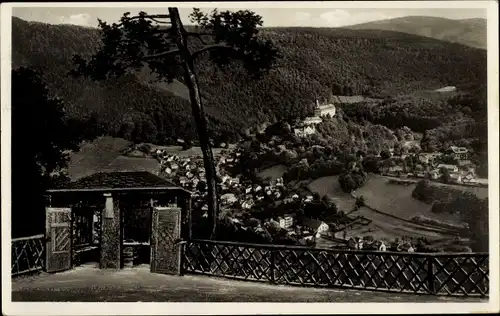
{"points": [[111, 234]]}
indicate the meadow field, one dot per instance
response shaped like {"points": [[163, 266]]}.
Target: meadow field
{"points": [[273, 172], [394, 207]]}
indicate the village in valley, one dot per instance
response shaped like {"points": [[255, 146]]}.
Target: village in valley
{"points": [[206, 142], [241, 196]]}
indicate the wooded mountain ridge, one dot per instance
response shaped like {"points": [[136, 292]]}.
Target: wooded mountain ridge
{"points": [[470, 32], [316, 62]]}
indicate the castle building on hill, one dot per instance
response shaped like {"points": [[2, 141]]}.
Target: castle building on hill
{"points": [[324, 110], [307, 126]]}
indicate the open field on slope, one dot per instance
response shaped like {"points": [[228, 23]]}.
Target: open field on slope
{"points": [[396, 199], [330, 186], [393, 200], [105, 155], [193, 151], [480, 192], [273, 172], [387, 228], [95, 156]]}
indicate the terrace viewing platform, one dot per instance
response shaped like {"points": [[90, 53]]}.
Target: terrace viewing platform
{"points": [[88, 283]]}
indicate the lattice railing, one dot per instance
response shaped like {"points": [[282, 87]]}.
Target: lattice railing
{"points": [[443, 274], [28, 254]]}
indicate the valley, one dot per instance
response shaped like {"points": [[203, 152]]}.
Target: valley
{"points": [[396, 97], [342, 149]]}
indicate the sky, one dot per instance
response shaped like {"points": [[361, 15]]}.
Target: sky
{"points": [[278, 15]]}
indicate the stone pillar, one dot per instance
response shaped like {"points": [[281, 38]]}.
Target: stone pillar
{"points": [[111, 234]]}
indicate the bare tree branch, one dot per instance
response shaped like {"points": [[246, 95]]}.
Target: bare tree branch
{"points": [[158, 21], [163, 30], [158, 16], [151, 17], [197, 33], [162, 54], [199, 36], [210, 47]]}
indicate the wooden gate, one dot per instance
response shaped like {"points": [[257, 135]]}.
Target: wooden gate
{"points": [[165, 240], [58, 234]]}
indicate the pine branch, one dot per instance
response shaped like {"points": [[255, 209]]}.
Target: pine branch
{"points": [[162, 54], [198, 36], [151, 17], [211, 47]]}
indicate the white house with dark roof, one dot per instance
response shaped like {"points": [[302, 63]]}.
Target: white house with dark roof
{"points": [[304, 130], [450, 168], [460, 153], [455, 178], [316, 226]]}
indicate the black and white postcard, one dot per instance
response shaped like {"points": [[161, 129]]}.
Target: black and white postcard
{"points": [[158, 156]]}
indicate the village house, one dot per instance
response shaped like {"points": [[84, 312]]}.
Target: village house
{"points": [[312, 120], [315, 226], [286, 221], [183, 180], [424, 158], [279, 182], [419, 171], [225, 178], [463, 163], [450, 168], [434, 174], [395, 170], [355, 243], [455, 178], [468, 178], [247, 204], [229, 198], [460, 153], [303, 130]]}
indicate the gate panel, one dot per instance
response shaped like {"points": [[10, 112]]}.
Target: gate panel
{"points": [[59, 239], [165, 237]]}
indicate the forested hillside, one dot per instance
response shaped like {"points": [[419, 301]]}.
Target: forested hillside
{"points": [[316, 63], [471, 32]]}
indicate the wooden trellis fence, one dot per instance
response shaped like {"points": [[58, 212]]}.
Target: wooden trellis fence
{"points": [[28, 254], [438, 274]]}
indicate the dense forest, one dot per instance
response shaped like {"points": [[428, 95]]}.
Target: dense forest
{"points": [[316, 62], [470, 32]]}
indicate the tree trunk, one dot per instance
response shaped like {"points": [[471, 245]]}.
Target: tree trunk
{"points": [[199, 117]]}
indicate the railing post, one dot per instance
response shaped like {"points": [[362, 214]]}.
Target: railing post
{"points": [[430, 274], [182, 255], [273, 262]]}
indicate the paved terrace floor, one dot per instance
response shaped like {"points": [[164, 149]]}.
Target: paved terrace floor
{"points": [[89, 284]]}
